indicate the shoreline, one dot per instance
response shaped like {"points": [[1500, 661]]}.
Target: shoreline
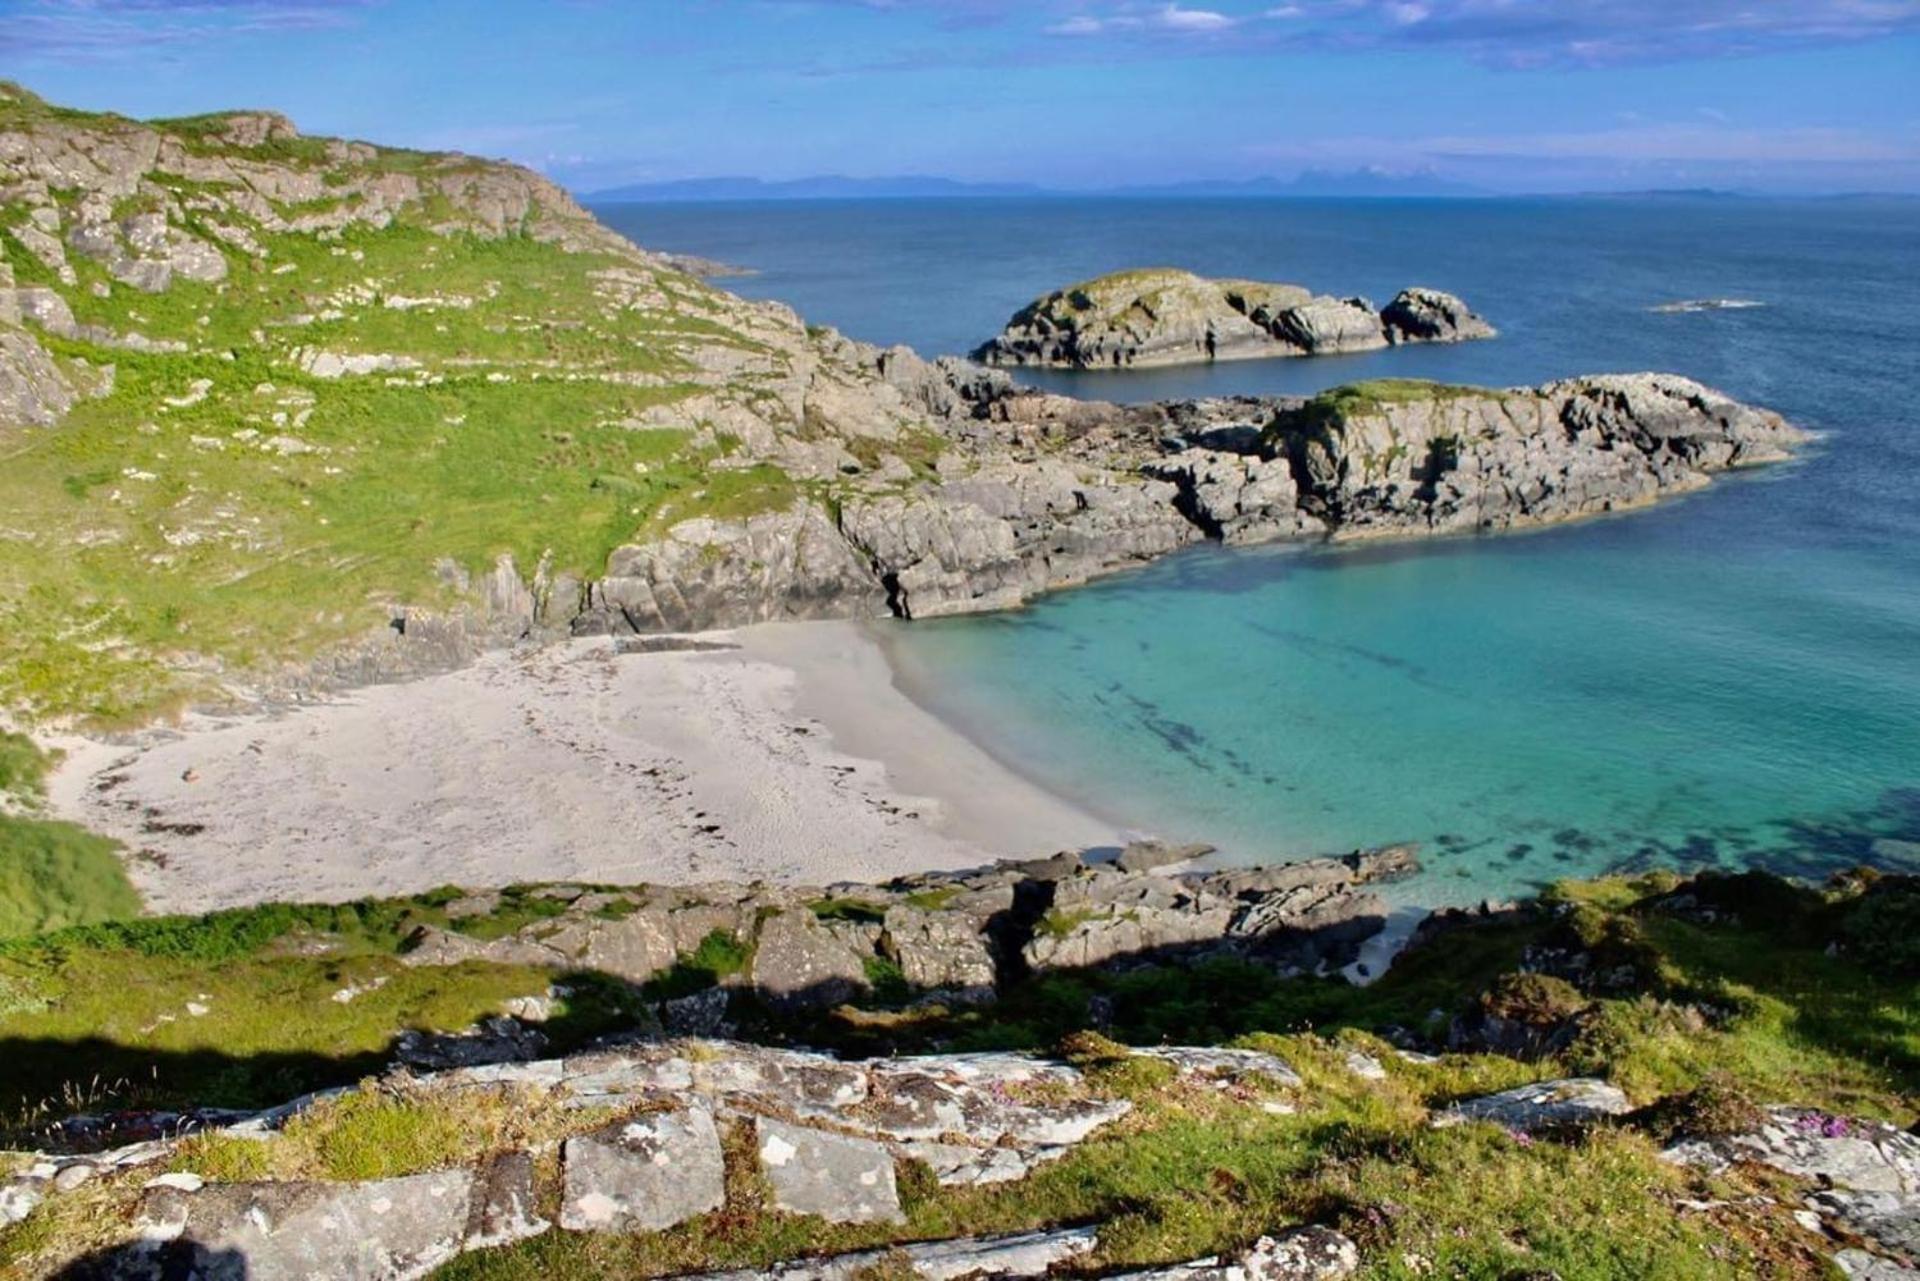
{"points": [[789, 755]]}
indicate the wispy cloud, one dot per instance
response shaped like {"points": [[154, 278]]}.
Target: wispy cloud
{"points": [[1507, 33], [88, 30]]}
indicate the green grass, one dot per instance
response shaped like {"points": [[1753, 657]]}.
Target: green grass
{"points": [[52, 874], [58, 874], [154, 547]]}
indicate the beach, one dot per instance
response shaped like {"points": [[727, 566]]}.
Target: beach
{"points": [[753, 755]]}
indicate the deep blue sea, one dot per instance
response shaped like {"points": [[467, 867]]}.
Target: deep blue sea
{"points": [[1732, 678]]}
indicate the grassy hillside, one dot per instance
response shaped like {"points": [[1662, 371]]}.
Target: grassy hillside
{"points": [[228, 506]]}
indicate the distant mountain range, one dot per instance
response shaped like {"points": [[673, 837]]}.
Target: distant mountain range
{"points": [[824, 187], [1314, 182]]}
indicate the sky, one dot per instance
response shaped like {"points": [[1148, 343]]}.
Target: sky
{"points": [[1507, 95]]}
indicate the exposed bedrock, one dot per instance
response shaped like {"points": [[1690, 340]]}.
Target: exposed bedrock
{"points": [[958, 935], [1041, 491], [1140, 319]]}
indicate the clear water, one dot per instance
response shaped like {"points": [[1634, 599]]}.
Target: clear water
{"points": [[1731, 678]]}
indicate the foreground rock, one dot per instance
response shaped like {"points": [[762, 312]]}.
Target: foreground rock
{"points": [[1545, 1106], [1138, 319], [828, 1138], [1867, 1174], [953, 936]]}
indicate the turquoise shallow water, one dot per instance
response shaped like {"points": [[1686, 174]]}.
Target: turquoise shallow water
{"points": [[1732, 678]]}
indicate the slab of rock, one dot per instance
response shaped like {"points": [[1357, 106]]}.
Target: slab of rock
{"points": [[941, 950], [1309, 1253], [1865, 1156], [643, 1175], [1891, 1220], [386, 1230], [1149, 856], [1545, 1105], [840, 1179], [1024, 1254], [1222, 1064], [1858, 1265], [1428, 315]]}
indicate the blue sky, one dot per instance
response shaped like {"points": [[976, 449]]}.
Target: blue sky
{"points": [[1526, 95]]}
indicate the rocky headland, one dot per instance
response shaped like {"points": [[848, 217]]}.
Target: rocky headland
{"points": [[1160, 316]]}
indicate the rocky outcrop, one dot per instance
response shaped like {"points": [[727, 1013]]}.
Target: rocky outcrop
{"points": [[952, 936], [828, 1139], [1866, 1175], [1043, 492], [1138, 319], [1419, 458]]}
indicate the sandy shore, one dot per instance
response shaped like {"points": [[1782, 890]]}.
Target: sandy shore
{"points": [[574, 762]]}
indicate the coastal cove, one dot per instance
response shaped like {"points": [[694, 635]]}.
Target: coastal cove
{"points": [[1725, 679]]}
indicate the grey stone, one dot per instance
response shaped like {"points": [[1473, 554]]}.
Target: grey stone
{"points": [[1365, 1066], [941, 949], [1428, 315], [1309, 1253], [701, 1013], [503, 1209], [386, 1230], [1890, 1220], [1148, 856], [1545, 1105], [645, 1174], [1861, 1266], [840, 1179], [1025, 1254], [1220, 1063], [20, 1197], [798, 964], [1865, 1156]]}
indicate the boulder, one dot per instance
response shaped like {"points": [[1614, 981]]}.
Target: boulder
{"points": [[1136, 319], [832, 1176], [643, 1175], [1546, 1105], [944, 950], [798, 964], [1891, 1220], [1428, 315]]}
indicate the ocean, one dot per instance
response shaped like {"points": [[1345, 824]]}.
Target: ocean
{"points": [[1730, 679]]}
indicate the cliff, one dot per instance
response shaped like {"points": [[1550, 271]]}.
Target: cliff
{"points": [[1141, 319]]}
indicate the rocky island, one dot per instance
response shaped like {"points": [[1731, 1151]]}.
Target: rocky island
{"points": [[1143, 319]]}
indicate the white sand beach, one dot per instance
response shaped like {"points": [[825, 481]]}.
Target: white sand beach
{"points": [[569, 762]]}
